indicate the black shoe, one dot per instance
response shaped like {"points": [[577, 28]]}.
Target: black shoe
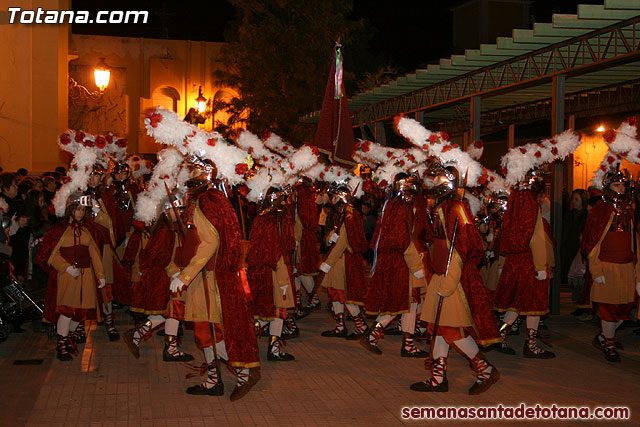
{"points": [[64, 357], [113, 335], [364, 341], [281, 356], [504, 350], [544, 354], [333, 333], [353, 336], [184, 357], [217, 390], [610, 355], [422, 386], [290, 335], [418, 353], [301, 314], [481, 387]]}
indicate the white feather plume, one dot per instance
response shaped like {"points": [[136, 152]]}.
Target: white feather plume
{"points": [[168, 170], [78, 175], [474, 203], [167, 128]]}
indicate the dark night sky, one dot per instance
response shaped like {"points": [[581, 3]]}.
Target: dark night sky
{"points": [[405, 34]]}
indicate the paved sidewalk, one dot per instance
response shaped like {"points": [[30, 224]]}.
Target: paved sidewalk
{"points": [[332, 382]]}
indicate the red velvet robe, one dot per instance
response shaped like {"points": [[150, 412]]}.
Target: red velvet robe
{"points": [[122, 219], [390, 287], [237, 323], [469, 247], [267, 243], [356, 291], [518, 288], [122, 290], [308, 214], [152, 293]]}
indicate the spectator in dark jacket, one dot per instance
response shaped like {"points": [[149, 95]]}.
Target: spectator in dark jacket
{"points": [[9, 191], [572, 227]]}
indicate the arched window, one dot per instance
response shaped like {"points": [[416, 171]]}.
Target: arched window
{"points": [[166, 97]]}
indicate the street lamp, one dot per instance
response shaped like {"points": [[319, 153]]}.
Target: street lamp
{"points": [[79, 94], [101, 74], [201, 102]]}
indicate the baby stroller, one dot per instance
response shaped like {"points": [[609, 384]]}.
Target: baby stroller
{"points": [[16, 305]]}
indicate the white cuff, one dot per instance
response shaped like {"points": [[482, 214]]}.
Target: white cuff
{"points": [[324, 267], [419, 274]]}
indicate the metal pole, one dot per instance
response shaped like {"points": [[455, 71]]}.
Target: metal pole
{"points": [[475, 119], [380, 136], [557, 126]]}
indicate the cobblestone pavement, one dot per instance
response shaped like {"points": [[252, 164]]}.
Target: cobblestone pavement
{"points": [[331, 382]]}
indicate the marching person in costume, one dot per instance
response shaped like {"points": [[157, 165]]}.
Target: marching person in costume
{"points": [[76, 268], [398, 271], [489, 226], [342, 271], [306, 230], [210, 283], [457, 305], [119, 199], [307, 253], [158, 260], [523, 287], [113, 270], [269, 262], [85, 174], [280, 167], [609, 240], [608, 243]]}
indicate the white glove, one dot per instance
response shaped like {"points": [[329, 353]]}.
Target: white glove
{"points": [[102, 283], [499, 271], [73, 271], [489, 237], [541, 275], [333, 238], [419, 274], [175, 275], [638, 288], [601, 280], [140, 273], [324, 267], [176, 285], [14, 227]]}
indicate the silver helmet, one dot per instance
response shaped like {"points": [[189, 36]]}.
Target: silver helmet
{"points": [[406, 186]]}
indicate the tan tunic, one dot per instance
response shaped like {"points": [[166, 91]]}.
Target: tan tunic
{"points": [[81, 291], [283, 296], [620, 279], [202, 303], [538, 244], [491, 274], [136, 274], [455, 310], [413, 258], [336, 277], [108, 255]]}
